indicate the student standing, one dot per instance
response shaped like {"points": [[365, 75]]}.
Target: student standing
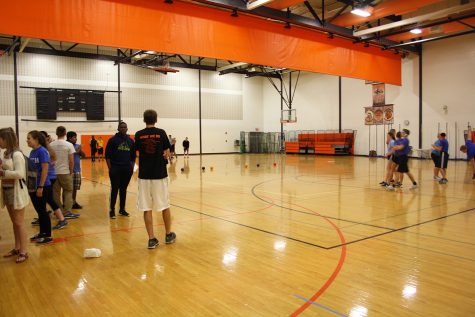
{"points": [[440, 156], [72, 138], [40, 158], [120, 158], [14, 192], [186, 147], [469, 149], [100, 147], [64, 173], [93, 145], [154, 149]]}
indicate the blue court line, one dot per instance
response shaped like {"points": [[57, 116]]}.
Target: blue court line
{"points": [[321, 306]]}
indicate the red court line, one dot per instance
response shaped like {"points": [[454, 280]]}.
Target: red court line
{"points": [[335, 273]]}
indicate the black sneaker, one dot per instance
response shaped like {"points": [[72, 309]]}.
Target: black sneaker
{"points": [[112, 214], [123, 213], [77, 206], [35, 222], [61, 224], [36, 237], [170, 238], [45, 240], [71, 215], [152, 243], [383, 183]]}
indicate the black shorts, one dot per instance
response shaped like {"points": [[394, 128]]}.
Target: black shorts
{"points": [[443, 160], [435, 159], [172, 148], [100, 150], [395, 160], [402, 164]]}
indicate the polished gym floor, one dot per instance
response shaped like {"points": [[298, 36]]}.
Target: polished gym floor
{"points": [[259, 235]]}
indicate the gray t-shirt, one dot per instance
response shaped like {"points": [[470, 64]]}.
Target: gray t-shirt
{"points": [[63, 149]]}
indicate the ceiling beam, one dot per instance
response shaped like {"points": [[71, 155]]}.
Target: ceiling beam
{"points": [[220, 69], [424, 17], [432, 39], [421, 26]]}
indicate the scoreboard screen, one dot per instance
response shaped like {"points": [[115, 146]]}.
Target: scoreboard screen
{"points": [[49, 101]]}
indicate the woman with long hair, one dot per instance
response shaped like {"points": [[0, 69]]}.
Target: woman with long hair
{"points": [[390, 167], [40, 158], [14, 193]]}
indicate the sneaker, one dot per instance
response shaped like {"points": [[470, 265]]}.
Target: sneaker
{"points": [[152, 243], [71, 215], [397, 185], [123, 213], [437, 178], [45, 240], [414, 186], [112, 214], [61, 224], [384, 184], [35, 222], [170, 238], [36, 237], [77, 206], [443, 181], [390, 187]]}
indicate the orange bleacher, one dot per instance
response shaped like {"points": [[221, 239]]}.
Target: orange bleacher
{"points": [[322, 143]]}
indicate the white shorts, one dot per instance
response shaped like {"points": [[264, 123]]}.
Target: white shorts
{"points": [[153, 194]]}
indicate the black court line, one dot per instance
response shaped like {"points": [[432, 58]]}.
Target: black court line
{"points": [[379, 188], [312, 213], [365, 238], [233, 222], [402, 228], [294, 239]]}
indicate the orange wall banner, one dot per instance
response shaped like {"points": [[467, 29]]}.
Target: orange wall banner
{"points": [[187, 28]]}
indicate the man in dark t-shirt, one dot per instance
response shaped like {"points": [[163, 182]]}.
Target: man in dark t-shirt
{"points": [[186, 147], [154, 149]]}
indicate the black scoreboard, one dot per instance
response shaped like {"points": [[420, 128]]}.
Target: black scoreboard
{"points": [[51, 100]]}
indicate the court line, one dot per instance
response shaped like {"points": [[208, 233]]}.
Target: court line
{"points": [[403, 228], [253, 190], [233, 222], [321, 306], [379, 188], [329, 281]]}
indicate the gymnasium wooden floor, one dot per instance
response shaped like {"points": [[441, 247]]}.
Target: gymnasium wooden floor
{"points": [[314, 236]]}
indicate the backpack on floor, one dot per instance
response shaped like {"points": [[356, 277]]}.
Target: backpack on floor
{"points": [[31, 175]]}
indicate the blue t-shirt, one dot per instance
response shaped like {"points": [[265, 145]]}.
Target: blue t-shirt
{"points": [[445, 145], [470, 149], [435, 152], [51, 171], [391, 144], [77, 160], [405, 150], [37, 157]]}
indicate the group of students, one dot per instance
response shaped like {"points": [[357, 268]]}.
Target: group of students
{"points": [[58, 178], [186, 147], [153, 147], [398, 148], [57, 166]]}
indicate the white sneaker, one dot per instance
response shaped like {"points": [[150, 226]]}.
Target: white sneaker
{"points": [[389, 187], [414, 186], [437, 178]]}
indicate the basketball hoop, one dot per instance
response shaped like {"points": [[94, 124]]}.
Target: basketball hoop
{"points": [[288, 116]]}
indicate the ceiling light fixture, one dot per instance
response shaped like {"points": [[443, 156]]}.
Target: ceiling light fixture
{"points": [[416, 31], [362, 11]]}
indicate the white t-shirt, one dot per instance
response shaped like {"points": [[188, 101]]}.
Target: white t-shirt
{"points": [[62, 148]]}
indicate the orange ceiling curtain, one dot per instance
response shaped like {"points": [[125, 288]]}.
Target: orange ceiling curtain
{"points": [[187, 28]]}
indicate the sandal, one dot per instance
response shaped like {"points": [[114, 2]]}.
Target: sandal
{"points": [[12, 252], [21, 257]]}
